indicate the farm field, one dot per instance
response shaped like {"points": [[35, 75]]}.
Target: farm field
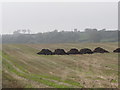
{"points": [[23, 68]]}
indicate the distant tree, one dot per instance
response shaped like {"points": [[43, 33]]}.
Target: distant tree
{"points": [[24, 31], [16, 32], [55, 30], [103, 30], [19, 30], [88, 29], [28, 31], [94, 35]]}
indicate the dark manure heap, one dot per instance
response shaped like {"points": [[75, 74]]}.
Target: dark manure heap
{"points": [[100, 50], [85, 51], [73, 51], [45, 52], [117, 50], [59, 52]]}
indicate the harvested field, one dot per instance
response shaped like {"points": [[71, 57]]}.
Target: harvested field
{"points": [[23, 68]]}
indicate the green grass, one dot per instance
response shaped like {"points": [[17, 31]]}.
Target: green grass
{"points": [[38, 78], [49, 83]]}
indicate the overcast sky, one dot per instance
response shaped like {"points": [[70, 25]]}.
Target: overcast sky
{"points": [[48, 16]]}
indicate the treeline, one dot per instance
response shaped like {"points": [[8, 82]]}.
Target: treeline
{"points": [[89, 35]]}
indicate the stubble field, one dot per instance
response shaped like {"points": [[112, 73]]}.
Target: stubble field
{"points": [[23, 68]]}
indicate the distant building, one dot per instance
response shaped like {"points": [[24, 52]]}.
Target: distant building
{"points": [[90, 30], [22, 31], [75, 30]]}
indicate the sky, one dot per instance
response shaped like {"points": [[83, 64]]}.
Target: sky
{"points": [[48, 16]]}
